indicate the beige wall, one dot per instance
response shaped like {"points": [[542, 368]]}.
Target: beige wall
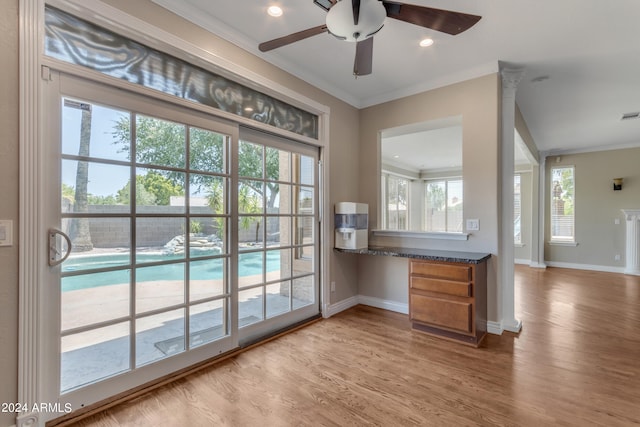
{"points": [[597, 206], [477, 101], [9, 205]]}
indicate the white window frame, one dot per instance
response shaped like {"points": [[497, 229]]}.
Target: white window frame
{"points": [[517, 208], [446, 209], [385, 200], [561, 240]]}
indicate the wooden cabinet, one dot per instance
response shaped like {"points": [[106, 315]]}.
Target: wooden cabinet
{"points": [[449, 299]]}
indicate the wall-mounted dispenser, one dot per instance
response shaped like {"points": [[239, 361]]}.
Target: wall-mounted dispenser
{"points": [[352, 223]]}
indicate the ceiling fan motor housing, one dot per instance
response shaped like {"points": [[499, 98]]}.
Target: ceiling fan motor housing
{"points": [[340, 20]]}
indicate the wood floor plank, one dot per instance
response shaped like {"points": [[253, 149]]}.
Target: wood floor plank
{"points": [[575, 363]]}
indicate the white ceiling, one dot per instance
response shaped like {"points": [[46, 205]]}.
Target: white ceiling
{"points": [[588, 49]]}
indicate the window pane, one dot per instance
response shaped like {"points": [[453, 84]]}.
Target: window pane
{"points": [[517, 237], [278, 198], [250, 306], [454, 206], [250, 232], [303, 292], [278, 298], [208, 151], [250, 162], [160, 142], [278, 165], [94, 298], [278, 231], [159, 239], [90, 187], [436, 206], [562, 203], [207, 278], [159, 287], [278, 264], [304, 202], [95, 131], [206, 323], [305, 169], [207, 195], [250, 197], [250, 269], [93, 355], [159, 336], [159, 191], [97, 242]]}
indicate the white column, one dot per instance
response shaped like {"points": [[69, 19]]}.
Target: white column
{"points": [[632, 255], [506, 297]]}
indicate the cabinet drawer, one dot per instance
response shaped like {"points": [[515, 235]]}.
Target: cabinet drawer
{"points": [[460, 273], [448, 287], [449, 314]]}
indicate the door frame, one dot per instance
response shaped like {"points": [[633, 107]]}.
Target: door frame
{"points": [[32, 375]]}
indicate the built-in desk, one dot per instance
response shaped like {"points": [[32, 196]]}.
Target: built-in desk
{"points": [[447, 291]]}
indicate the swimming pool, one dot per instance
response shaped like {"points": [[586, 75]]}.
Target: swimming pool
{"points": [[249, 264]]}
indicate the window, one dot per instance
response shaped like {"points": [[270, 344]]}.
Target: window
{"points": [[517, 209], [562, 204], [395, 196], [443, 205]]}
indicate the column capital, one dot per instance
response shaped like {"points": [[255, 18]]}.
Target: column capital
{"points": [[511, 77]]}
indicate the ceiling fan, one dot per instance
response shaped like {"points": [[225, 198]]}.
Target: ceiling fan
{"points": [[358, 20]]}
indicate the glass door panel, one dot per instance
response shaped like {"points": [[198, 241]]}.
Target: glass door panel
{"points": [[122, 309]]}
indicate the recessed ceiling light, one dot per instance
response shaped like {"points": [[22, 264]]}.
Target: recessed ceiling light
{"points": [[274, 11], [426, 42]]}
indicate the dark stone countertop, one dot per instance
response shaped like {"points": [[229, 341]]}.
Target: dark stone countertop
{"points": [[426, 254]]}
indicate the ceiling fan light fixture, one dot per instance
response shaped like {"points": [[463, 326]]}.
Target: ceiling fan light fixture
{"points": [[275, 11], [340, 20]]}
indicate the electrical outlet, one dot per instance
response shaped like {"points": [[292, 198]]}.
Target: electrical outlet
{"points": [[6, 232], [616, 221], [617, 257], [333, 286], [473, 224]]}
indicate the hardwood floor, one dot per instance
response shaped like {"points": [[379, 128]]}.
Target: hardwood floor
{"points": [[575, 363]]}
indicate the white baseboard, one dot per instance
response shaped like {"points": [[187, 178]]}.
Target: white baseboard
{"points": [[343, 305], [522, 261], [538, 265], [604, 268], [384, 304], [494, 328]]}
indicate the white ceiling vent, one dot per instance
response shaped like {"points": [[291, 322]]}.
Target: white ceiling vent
{"points": [[629, 116]]}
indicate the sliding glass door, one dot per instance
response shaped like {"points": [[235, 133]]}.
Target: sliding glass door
{"points": [[185, 238]]}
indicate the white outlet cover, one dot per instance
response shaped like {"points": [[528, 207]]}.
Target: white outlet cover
{"points": [[473, 224], [6, 232]]}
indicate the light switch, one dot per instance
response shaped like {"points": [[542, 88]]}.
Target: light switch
{"points": [[6, 232], [473, 224]]}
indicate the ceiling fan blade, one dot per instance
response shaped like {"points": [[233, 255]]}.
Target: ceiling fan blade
{"points": [[325, 4], [355, 5], [446, 21], [283, 41], [363, 63]]}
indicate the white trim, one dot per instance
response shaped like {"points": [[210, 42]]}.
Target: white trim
{"points": [[398, 307], [31, 260], [421, 234], [562, 243], [494, 328], [538, 265], [340, 306], [589, 267], [522, 261]]}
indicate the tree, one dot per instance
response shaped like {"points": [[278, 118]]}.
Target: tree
{"points": [[161, 187], [163, 143], [143, 197], [82, 235]]}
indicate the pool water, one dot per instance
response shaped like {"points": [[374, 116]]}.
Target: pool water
{"points": [[210, 269]]}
